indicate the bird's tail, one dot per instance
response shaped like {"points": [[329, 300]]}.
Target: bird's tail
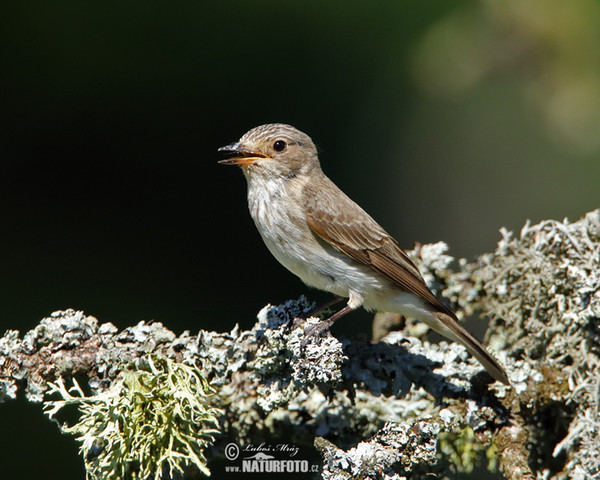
{"points": [[449, 326]]}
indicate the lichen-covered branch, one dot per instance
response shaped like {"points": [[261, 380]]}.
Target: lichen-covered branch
{"points": [[399, 408]]}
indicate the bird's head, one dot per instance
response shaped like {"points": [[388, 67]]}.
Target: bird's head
{"points": [[275, 149]]}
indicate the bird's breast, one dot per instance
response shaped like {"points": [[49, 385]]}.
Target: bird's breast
{"points": [[279, 214]]}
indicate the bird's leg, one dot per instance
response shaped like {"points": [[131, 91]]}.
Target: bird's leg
{"points": [[354, 302], [317, 328], [313, 312]]}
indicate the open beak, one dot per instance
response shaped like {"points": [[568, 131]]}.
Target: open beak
{"points": [[243, 156]]}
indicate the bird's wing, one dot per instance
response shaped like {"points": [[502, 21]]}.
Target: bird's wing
{"points": [[343, 224], [347, 227]]}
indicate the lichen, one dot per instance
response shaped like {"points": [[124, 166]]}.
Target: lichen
{"points": [[401, 445], [464, 450], [543, 295], [155, 419], [541, 290], [285, 365]]}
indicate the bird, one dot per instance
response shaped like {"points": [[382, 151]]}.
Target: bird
{"points": [[318, 233]]}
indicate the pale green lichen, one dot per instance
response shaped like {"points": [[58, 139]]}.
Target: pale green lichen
{"points": [[156, 418], [464, 450]]}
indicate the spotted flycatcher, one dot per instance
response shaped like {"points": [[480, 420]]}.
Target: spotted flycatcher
{"points": [[327, 240]]}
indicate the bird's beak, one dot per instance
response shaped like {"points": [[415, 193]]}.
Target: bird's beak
{"points": [[243, 155]]}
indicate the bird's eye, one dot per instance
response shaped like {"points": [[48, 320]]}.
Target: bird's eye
{"points": [[279, 146]]}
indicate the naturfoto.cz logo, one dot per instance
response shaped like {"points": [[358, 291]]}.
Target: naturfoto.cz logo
{"points": [[262, 459]]}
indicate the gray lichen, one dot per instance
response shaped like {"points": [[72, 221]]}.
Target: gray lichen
{"points": [[404, 444], [543, 295], [284, 365], [541, 291]]}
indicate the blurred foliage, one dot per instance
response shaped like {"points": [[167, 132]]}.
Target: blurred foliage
{"points": [[549, 50]]}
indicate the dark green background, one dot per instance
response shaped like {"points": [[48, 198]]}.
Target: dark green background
{"points": [[111, 200]]}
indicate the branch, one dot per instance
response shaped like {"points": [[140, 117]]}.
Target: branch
{"points": [[400, 396]]}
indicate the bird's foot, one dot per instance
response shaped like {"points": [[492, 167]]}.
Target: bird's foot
{"points": [[315, 311], [315, 330]]}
